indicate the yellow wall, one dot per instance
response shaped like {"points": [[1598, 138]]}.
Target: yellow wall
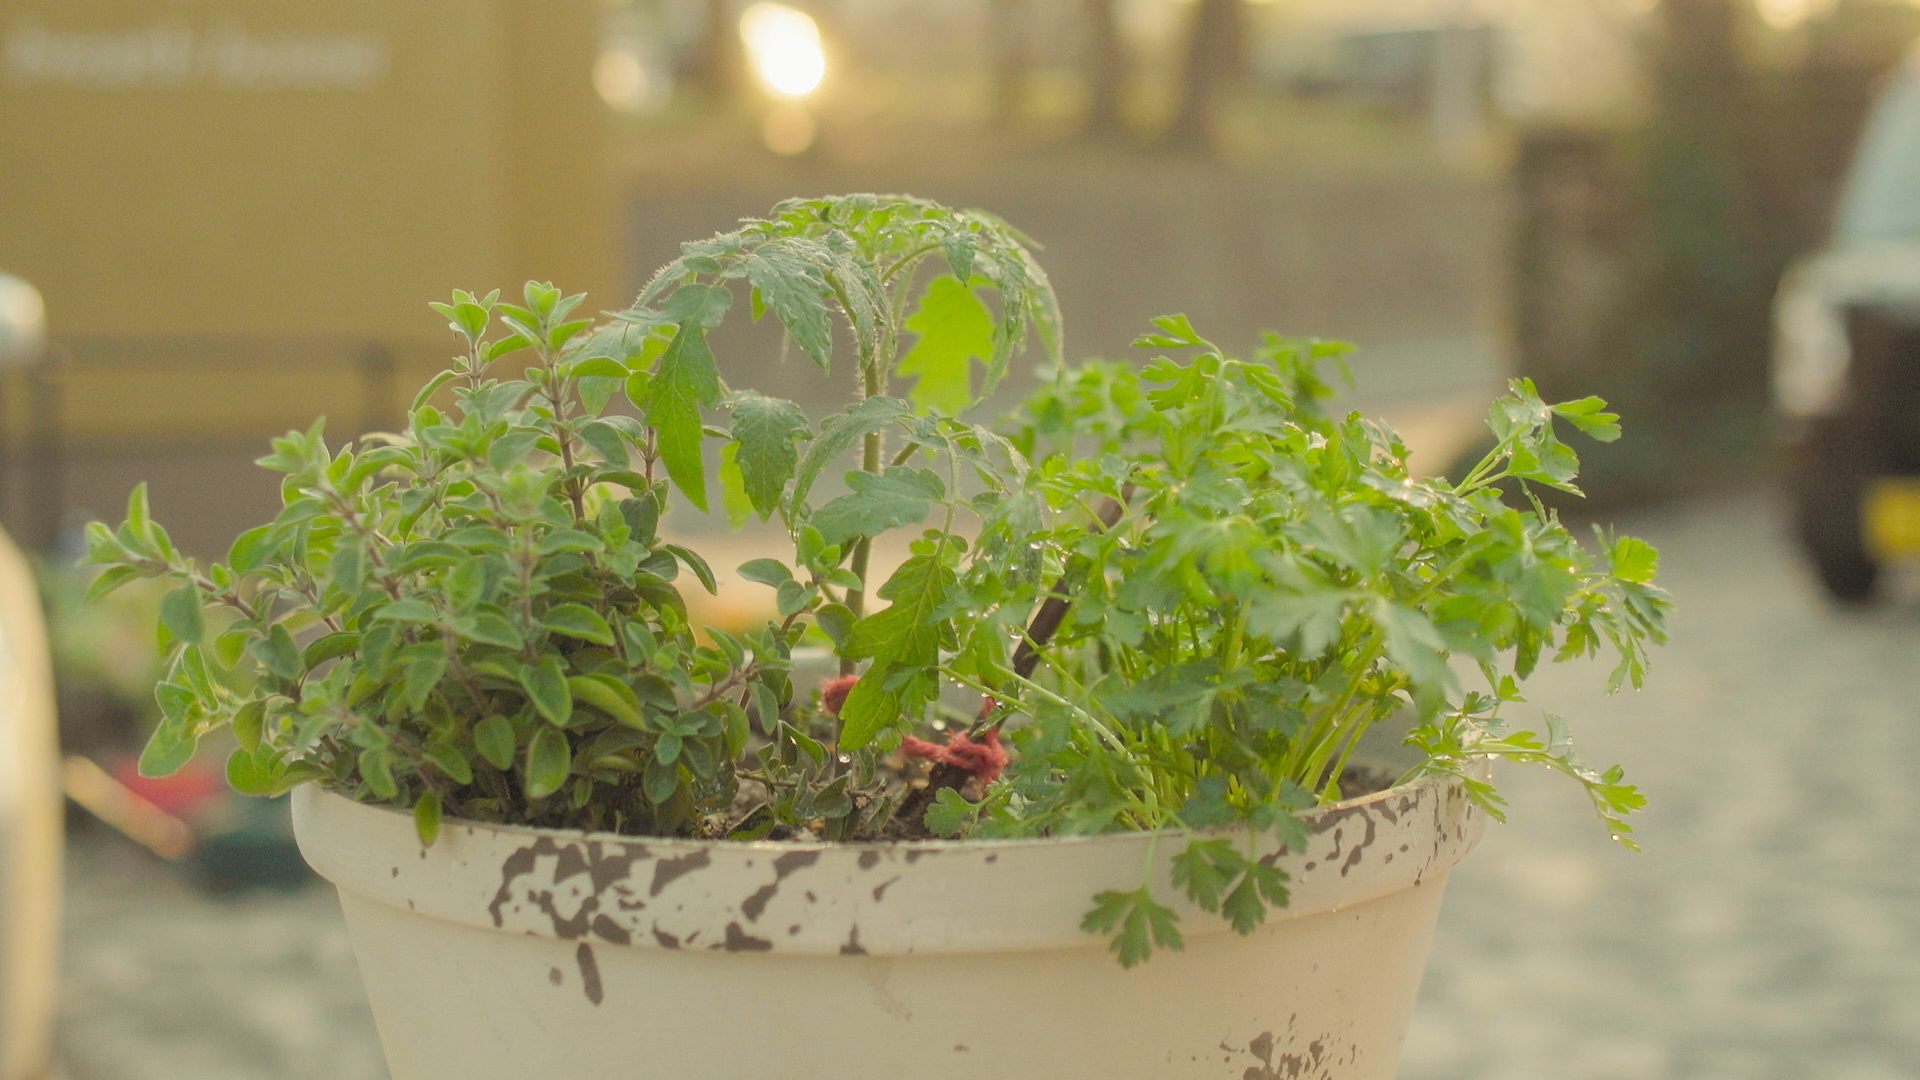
{"points": [[215, 167]]}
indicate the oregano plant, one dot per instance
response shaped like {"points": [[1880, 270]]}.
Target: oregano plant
{"points": [[1161, 597]]}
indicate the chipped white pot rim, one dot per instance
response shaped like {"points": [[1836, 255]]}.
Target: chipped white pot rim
{"points": [[818, 898]]}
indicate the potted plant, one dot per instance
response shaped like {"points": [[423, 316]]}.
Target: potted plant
{"points": [[1134, 656]]}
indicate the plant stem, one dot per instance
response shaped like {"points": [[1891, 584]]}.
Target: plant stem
{"points": [[1311, 745], [1046, 621], [873, 448]]}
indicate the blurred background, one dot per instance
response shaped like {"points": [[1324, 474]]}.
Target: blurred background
{"points": [[221, 218]]}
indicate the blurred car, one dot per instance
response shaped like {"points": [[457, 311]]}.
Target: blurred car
{"points": [[1846, 364]]}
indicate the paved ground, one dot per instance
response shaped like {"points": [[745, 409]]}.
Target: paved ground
{"points": [[1771, 928], [165, 982], [1770, 931]]}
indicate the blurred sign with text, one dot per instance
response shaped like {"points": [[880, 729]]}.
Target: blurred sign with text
{"points": [[240, 167]]}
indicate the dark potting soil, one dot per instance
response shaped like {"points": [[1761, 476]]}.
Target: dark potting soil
{"points": [[1359, 781]]}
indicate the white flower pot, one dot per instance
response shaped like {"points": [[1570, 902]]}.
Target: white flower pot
{"points": [[516, 953]]}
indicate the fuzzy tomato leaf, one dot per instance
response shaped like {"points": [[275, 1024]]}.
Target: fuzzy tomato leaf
{"points": [[797, 291], [955, 329], [838, 434], [766, 434], [904, 644], [902, 496]]}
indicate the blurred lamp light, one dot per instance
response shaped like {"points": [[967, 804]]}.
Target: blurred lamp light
{"points": [[785, 47], [1785, 14], [622, 80], [23, 322]]}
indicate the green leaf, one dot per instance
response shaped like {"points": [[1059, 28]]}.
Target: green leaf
{"points": [[836, 621], [548, 763], [180, 613], [1309, 622], [1243, 906], [230, 646], [902, 496], [667, 749], [660, 782], [1138, 924], [491, 628], [1414, 644], [426, 392], [493, 737], [694, 563], [807, 744], [249, 724], [409, 611], [448, 759], [1589, 415], [347, 570], [766, 572], [560, 540], [507, 345], [904, 643], [766, 434], [329, 646], [1175, 697], [139, 517], [1205, 869], [609, 696], [255, 772], [955, 328], [578, 621], [478, 538], [733, 488], [949, 813], [467, 585], [376, 768], [426, 818], [423, 674], [110, 579], [683, 381], [278, 653], [252, 549], [793, 598], [168, 749], [797, 292], [598, 367], [838, 434], [1176, 332], [615, 341], [703, 306], [1634, 560], [546, 685]]}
